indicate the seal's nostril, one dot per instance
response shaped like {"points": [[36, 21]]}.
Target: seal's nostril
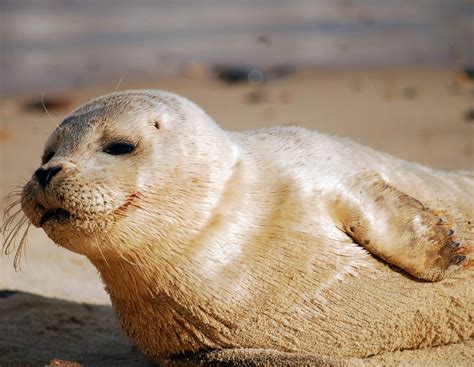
{"points": [[40, 175], [44, 175]]}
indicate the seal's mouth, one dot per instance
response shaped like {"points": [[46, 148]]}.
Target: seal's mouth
{"points": [[52, 214]]}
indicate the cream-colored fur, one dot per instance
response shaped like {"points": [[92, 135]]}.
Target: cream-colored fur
{"points": [[278, 238]]}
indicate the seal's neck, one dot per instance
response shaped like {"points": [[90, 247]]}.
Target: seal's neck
{"points": [[161, 315]]}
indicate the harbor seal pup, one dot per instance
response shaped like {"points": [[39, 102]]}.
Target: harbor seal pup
{"points": [[279, 238]]}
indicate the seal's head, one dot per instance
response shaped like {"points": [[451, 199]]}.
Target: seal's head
{"points": [[124, 162]]}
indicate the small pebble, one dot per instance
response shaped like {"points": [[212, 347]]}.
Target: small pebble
{"points": [[469, 115], [255, 97], [410, 92]]}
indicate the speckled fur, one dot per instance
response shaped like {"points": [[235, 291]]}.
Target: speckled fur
{"points": [[207, 239]]}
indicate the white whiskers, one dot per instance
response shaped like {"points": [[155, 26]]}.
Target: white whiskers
{"points": [[15, 226]]}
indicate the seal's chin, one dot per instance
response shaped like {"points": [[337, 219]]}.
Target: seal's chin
{"points": [[58, 215]]}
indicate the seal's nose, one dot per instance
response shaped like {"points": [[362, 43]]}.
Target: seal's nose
{"points": [[44, 175]]}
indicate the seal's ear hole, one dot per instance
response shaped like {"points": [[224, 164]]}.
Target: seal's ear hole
{"points": [[157, 125]]}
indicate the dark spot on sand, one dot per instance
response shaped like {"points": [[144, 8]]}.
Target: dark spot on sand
{"points": [[410, 92], [235, 74], [232, 74], [49, 103], [256, 96], [469, 72], [469, 115], [264, 40]]}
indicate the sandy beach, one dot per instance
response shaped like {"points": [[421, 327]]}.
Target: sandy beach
{"points": [[61, 310]]}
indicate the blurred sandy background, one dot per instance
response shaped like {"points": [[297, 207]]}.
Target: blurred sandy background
{"points": [[393, 75]]}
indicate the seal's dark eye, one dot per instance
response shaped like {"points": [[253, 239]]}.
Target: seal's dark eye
{"points": [[47, 157], [119, 148]]}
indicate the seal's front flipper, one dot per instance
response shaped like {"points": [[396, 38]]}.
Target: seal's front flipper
{"points": [[399, 229]]}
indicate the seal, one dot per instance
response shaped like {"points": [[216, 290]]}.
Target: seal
{"points": [[279, 238]]}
